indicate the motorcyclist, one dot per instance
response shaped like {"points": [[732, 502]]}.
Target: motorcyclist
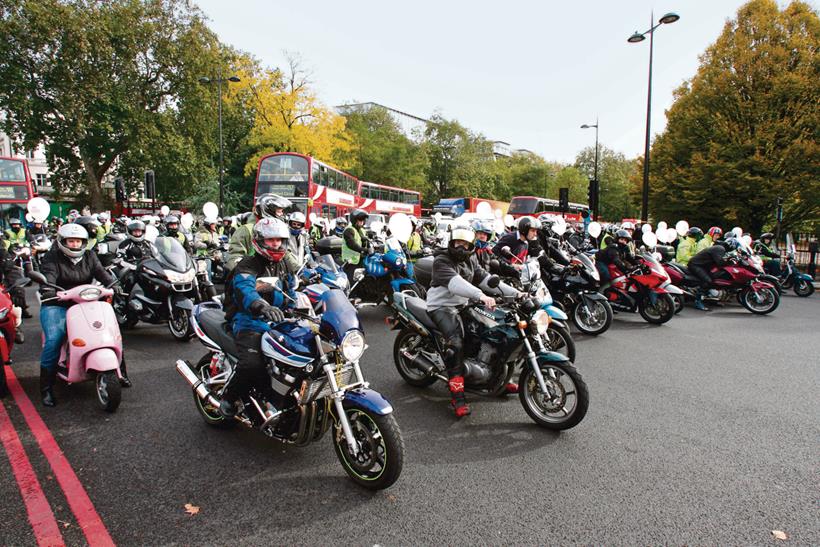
{"points": [[415, 245], [552, 259], [316, 231], [619, 254], [518, 241], [709, 239], [630, 229], [120, 225], [172, 230], [37, 228], [355, 243], [90, 225], [484, 232], [687, 247], [770, 257], [703, 261], [429, 233], [609, 236], [576, 238], [16, 234], [456, 278], [133, 249], [105, 227], [298, 245], [67, 265], [250, 305], [226, 227], [241, 243], [341, 226]]}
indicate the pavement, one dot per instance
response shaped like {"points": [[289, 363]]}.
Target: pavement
{"points": [[701, 431]]}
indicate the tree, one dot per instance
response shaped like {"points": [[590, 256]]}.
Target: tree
{"points": [[95, 80], [745, 129], [614, 172]]}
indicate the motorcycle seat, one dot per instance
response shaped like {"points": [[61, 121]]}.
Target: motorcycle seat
{"points": [[418, 307], [212, 322]]}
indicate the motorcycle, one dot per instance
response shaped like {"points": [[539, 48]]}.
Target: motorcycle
{"points": [[743, 277], [40, 244], [792, 278], [107, 248], [313, 362], [576, 289], [383, 274], [644, 289], [92, 350], [218, 258], [165, 288], [497, 343], [325, 274], [10, 333]]}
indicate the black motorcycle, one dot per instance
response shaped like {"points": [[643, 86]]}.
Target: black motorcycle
{"points": [[575, 288], [164, 291], [497, 343]]}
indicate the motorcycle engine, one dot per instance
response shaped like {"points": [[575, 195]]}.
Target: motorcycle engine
{"points": [[478, 369]]}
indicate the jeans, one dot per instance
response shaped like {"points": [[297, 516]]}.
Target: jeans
{"points": [[52, 321], [603, 271]]}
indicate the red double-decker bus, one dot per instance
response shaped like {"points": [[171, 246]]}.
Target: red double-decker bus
{"points": [[534, 206], [312, 186], [15, 189], [378, 198]]}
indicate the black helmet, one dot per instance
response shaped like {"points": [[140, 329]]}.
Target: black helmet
{"points": [[267, 204], [358, 214], [767, 235], [136, 225], [622, 234], [89, 223], [525, 224], [695, 232]]}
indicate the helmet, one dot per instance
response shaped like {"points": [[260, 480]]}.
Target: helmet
{"points": [[72, 231], [461, 233], [268, 228], [730, 244], [102, 218], [209, 220], [621, 234], [136, 225], [297, 217], [171, 219], [73, 214], [525, 224], [267, 204], [730, 235], [695, 232], [358, 214], [483, 225], [89, 223], [628, 226], [413, 220], [766, 235], [15, 221], [341, 222], [715, 232]]}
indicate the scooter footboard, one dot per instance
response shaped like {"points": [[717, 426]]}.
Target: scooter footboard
{"points": [[102, 360]]}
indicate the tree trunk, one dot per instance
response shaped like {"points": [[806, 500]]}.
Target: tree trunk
{"points": [[94, 186]]}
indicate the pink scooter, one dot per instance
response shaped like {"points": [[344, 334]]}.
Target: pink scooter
{"points": [[93, 346]]}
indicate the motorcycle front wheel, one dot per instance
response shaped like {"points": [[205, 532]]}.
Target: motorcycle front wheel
{"points": [[761, 302], [567, 400], [180, 325], [662, 311], [109, 391], [380, 457], [594, 318], [803, 288]]}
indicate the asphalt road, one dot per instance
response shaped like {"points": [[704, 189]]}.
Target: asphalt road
{"points": [[702, 431]]}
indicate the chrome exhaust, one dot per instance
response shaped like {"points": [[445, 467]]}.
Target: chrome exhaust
{"points": [[200, 388]]}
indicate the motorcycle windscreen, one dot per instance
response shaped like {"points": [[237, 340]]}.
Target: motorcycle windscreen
{"points": [[327, 262], [171, 254], [339, 316]]}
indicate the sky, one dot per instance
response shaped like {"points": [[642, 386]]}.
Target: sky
{"points": [[528, 73]]}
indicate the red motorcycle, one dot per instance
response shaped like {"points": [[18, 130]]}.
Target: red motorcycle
{"points": [[9, 323], [646, 289]]}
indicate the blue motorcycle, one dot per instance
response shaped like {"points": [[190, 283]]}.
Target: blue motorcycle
{"points": [[317, 385], [384, 273], [792, 278], [326, 273]]}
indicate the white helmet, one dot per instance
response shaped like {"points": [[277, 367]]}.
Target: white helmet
{"points": [[102, 218], [147, 219], [72, 231], [297, 216], [628, 226], [210, 220]]}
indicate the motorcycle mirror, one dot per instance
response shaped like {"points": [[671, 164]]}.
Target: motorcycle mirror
{"points": [[37, 277], [493, 281], [495, 266], [506, 251]]}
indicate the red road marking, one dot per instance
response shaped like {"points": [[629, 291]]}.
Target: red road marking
{"points": [[84, 511], [39, 511]]}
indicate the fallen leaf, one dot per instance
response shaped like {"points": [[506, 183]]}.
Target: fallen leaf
{"points": [[64, 523], [779, 534], [191, 509], [391, 498]]}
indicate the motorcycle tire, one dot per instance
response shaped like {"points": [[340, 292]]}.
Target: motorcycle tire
{"points": [[601, 328], [774, 296], [175, 326], [559, 339], [558, 377], [665, 306], [407, 371], [372, 431], [211, 415], [803, 288], [678, 298], [109, 390]]}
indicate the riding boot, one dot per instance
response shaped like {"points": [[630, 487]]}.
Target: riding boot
{"points": [[458, 401], [124, 381], [47, 378]]}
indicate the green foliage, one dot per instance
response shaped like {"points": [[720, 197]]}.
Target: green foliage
{"points": [[614, 172], [745, 129]]}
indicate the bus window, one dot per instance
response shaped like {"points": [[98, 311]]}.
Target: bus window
{"points": [[283, 169], [317, 174]]}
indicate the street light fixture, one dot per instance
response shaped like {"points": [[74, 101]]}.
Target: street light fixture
{"points": [[595, 177], [219, 81], [667, 19]]}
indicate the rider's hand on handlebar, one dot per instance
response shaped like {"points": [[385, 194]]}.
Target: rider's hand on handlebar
{"points": [[488, 301], [273, 314]]}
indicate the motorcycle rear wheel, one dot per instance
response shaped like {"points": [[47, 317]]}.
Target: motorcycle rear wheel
{"points": [[803, 288], [210, 414], [381, 457], [661, 312], [748, 300], [596, 308], [565, 385], [109, 391], [678, 298], [559, 339], [407, 371]]}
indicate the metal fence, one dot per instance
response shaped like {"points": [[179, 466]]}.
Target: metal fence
{"points": [[803, 245]]}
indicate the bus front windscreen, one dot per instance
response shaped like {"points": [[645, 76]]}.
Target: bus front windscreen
{"points": [[284, 175], [523, 206], [12, 171]]}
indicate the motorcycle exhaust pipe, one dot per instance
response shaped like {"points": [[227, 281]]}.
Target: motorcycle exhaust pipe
{"points": [[201, 389], [421, 362]]}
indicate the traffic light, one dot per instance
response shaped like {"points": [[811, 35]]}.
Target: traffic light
{"points": [[150, 187], [563, 199], [119, 190]]}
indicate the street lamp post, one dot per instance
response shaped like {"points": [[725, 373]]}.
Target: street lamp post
{"points": [[667, 19], [219, 81], [595, 177]]}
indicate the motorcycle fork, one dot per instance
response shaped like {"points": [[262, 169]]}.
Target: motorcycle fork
{"points": [[533, 360], [338, 396]]}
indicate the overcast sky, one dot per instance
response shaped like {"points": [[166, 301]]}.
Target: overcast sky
{"points": [[529, 73]]}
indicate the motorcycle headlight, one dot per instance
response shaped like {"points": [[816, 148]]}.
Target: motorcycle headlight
{"points": [[90, 294], [541, 320], [352, 345], [201, 266], [176, 277]]}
